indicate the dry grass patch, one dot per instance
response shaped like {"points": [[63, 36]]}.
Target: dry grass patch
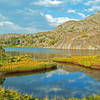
{"points": [[91, 61], [19, 63]]}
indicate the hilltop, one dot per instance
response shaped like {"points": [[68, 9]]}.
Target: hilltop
{"points": [[84, 34]]}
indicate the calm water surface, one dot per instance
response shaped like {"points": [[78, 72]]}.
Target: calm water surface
{"points": [[66, 82]]}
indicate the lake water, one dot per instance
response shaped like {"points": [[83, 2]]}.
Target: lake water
{"points": [[67, 81]]}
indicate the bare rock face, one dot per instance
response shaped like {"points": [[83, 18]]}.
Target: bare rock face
{"points": [[95, 17], [83, 34]]}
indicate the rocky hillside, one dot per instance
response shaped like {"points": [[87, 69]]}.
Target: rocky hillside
{"points": [[83, 34], [2, 52], [42, 39]]}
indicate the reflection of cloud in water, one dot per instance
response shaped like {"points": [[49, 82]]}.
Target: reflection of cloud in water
{"points": [[82, 76], [55, 89], [48, 75], [71, 81], [48, 89], [58, 82], [62, 72], [57, 72]]}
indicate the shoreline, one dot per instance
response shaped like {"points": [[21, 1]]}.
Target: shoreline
{"points": [[29, 70], [50, 48], [21, 64], [90, 67], [90, 61]]}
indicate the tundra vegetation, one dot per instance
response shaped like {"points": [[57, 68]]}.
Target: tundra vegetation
{"points": [[24, 63], [90, 61]]}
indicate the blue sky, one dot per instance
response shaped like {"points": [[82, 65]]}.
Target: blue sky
{"points": [[31, 16]]}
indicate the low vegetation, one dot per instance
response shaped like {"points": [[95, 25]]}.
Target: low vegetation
{"points": [[23, 63], [91, 61], [13, 95]]}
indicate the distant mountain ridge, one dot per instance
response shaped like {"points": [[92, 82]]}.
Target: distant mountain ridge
{"points": [[84, 34]]}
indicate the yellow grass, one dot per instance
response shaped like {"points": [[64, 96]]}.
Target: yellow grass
{"points": [[24, 63], [90, 60]]}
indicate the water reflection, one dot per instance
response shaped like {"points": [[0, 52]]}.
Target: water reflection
{"points": [[60, 83], [67, 81], [41, 53], [2, 79], [3, 76], [73, 68]]}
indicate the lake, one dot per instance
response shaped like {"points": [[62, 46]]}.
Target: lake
{"points": [[67, 81]]}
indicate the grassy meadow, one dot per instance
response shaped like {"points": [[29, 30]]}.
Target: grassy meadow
{"points": [[91, 61], [23, 63]]}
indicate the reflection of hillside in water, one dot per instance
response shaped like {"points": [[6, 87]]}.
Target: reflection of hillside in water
{"points": [[46, 56], [3, 76], [56, 53], [26, 73], [72, 68], [2, 79]]}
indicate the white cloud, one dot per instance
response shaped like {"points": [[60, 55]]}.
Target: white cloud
{"points": [[95, 5], [54, 3], [89, 10], [81, 14], [27, 11], [78, 13], [2, 17], [93, 2], [1, 24], [47, 2], [75, 1], [9, 27], [71, 11], [56, 21]]}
